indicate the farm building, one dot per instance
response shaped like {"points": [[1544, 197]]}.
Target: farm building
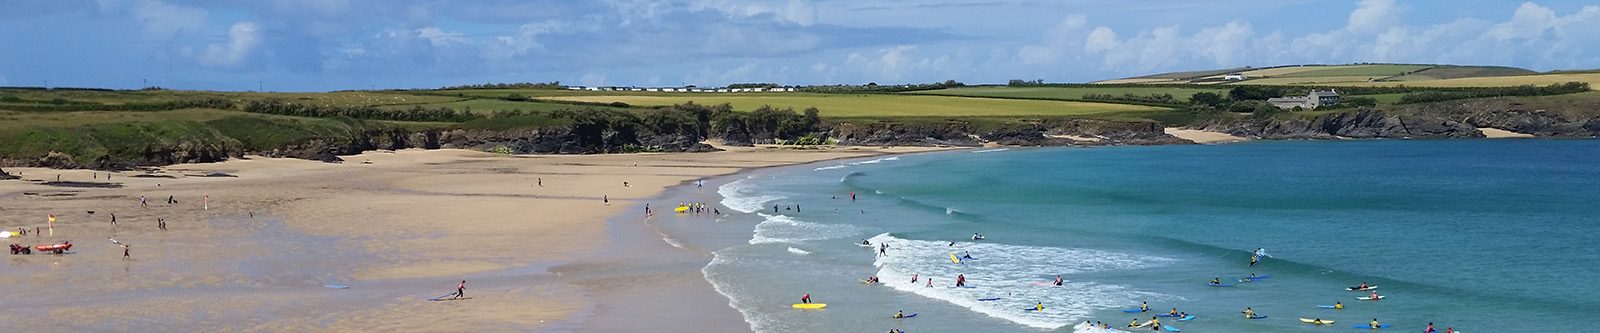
{"points": [[1234, 77], [1310, 101]]}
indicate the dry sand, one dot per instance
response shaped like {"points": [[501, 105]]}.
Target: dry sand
{"points": [[405, 228], [1199, 136], [1495, 133]]}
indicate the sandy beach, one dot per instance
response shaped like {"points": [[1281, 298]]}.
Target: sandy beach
{"points": [[1203, 137], [262, 244]]}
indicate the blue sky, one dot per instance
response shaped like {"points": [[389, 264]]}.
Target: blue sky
{"points": [[313, 45]]}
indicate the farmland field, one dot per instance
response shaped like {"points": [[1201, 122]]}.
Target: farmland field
{"points": [[1358, 70], [1496, 81], [490, 105], [1071, 93], [848, 106]]}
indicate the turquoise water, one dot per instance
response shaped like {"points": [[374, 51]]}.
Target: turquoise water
{"points": [[1481, 235]]}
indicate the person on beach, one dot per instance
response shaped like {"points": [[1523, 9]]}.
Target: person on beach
{"points": [[647, 209], [805, 299], [143, 202], [1058, 280], [541, 182], [961, 280], [113, 219], [171, 200], [606, 199], [461, 289], [161, 223], [124, 251]]}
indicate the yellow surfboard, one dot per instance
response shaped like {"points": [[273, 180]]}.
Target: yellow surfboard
{"points": [[810, 305], [681, 209], [954, 259]]}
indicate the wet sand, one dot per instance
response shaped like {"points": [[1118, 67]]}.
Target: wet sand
{"points": [[398, 231]]}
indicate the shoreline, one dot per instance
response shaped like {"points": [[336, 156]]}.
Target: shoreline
{"points": [[398, 231]]}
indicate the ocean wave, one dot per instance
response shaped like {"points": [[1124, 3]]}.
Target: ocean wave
{"points": [[876, 161], [1009, 272], [785, 229], [798, 251], [717, 260], [1089, 328], [740, 196], [990, 150], [841, 166]]}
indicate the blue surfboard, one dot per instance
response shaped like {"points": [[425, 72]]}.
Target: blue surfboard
{"points": [[1368, 327]]}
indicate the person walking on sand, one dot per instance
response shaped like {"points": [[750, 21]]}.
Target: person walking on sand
{"points": [[143, 203], [541, 182], [125, 251], [113, 219], [605, 199], [461, 289]]}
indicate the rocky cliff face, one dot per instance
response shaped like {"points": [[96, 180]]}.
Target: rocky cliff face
{"points": [[1363, 124], [1053, 132]]}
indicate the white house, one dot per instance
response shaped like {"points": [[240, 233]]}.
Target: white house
{"points": [[1234, 77], [1310, 101]]}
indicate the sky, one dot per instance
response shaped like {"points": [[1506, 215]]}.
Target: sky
{"points": [[320, 45]]}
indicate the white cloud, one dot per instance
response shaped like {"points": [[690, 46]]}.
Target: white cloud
{"points": [[164, 20], [440, 38], [526, 39], [797, 11], [1373, 16], [1057, 42], [243, 38]]}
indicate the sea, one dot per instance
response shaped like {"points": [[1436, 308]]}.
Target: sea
{"points": [[1475, 235]]}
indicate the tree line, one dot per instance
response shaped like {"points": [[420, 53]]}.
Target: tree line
{"points": [[416, 113]]}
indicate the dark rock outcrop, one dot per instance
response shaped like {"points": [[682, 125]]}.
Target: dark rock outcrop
{"points": [[1364, 124], [1049, 132]]}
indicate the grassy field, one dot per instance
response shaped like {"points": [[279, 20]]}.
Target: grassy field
{"points": [[1068, 93], [1498, 81], [1309, 80], [491, 105], [856, 106], [1457, 72], [1358, 70], [342, 98]]}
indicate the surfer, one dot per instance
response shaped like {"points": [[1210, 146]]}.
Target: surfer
{"points": [[1363, 286], [1216, 281], [901, 314], [1256, 257], [852, 196], [1338, 306], [913, 278], [1058, 280], [865, 242], [930, 283], [805, 299], [1375, 296], [1155, 324], [1134, 323], [1374, 324], [976, 236], [1430, 328], [1317, 321], [965, 255], [961, 280], [1173, 313], [1038, 306], [1248, 313], [1144, 306], [872, 279]]}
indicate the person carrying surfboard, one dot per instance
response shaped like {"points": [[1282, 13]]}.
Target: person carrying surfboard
{"points": [[461, 289]]}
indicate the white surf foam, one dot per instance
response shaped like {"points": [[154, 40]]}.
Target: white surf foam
{"points": [[990, 150], [785, 229], [1006, 271], [1089, 328], [876, 161], [740, 196], [798, 251], [717, 259], [841, 166]]}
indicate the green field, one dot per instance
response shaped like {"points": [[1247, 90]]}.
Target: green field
{"points": [[492, 105], [1070, 93], [1359, 70], [857, 106]]}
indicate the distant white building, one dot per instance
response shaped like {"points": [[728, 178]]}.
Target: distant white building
{"points": [[1311, 100], [1234, 77]]}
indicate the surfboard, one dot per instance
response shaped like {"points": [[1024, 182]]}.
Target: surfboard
{"points": [[1030, 309], [450, 299], [909, 316], [681, 209], [1365, 289], [1171, 329], [1168, 315], [809, 305], [1314, 321], [1258, 317], [954, 259], [1369, 298], [1325, 306], [1368, 327], [988, 299], [1186, 318], [1219, 285], [1132, 310], [336, 286]]}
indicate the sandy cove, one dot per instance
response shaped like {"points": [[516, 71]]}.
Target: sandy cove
{"points": [[407, 227]]}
